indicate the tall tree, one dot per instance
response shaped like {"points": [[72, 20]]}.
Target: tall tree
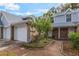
{"points": [[50, 14], [64, 7]]}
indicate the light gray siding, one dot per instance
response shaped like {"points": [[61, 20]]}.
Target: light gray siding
{"points": [[62, 18], [59, 19], [7, 33], [74, 17]]}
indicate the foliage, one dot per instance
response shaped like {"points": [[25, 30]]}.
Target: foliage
{"points": [[50, 14], [40, 44], [74, 38], [42, 25], [64, 7]]}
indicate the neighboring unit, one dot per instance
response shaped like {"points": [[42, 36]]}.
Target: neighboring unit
{"points": [[66, 22], [13, 27]]}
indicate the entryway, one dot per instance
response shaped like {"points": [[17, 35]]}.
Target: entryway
{"points": [[60, 33], [63, 33]]}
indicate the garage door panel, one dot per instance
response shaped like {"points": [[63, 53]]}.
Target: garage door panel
{"points": [[20, 33]]}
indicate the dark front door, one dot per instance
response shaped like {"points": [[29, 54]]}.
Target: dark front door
{"points": [[12, 32], [1, 32], [55, 33], [63, 33]]}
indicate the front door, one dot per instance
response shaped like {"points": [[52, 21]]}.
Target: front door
{"points": [[1, 33], [12, 32], [55, 33], [63, 33]]}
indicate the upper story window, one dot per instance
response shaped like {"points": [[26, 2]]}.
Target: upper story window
{"points": [[68, 18]]}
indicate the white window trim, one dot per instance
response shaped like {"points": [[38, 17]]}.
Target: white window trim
{"points": [[66, 19]]}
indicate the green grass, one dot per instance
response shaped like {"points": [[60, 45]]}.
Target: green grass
{"points": [[7, 54], [38, 44]]}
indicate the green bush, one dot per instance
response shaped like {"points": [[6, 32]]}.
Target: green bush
{"points": [[74, 38], [40, 44]]}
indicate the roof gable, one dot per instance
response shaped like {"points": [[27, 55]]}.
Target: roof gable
{"points": [[68, 10]]}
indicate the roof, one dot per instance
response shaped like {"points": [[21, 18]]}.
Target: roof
{"points": [[10, 19], [67, 24], [68, 10]]}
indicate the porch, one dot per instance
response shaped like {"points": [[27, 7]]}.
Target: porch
{"points": [[61, 33]]}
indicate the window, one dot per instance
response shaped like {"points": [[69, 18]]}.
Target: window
{"points": [[68, 18]]}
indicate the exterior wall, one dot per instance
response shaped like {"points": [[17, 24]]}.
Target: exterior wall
{"points": [[20, 32], [62, 18], [74, 17], [7, 33], [59, 19], [29, 37], [50, 34]]}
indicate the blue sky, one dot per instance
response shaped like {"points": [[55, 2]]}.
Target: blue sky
{"points": [[36, 9]]}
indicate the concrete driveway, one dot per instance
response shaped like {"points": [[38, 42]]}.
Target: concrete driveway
{"points": [[54, 49]]}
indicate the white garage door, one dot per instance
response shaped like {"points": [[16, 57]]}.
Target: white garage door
{"points": [[20, 33]]}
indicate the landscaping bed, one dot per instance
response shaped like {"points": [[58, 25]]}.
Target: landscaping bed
{"points": [[69, 50], [38, 44]]}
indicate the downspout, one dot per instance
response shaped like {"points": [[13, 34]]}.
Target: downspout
{"points": [[28, 33]]}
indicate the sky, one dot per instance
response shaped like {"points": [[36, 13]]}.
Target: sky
{"points": [[23, 9]]}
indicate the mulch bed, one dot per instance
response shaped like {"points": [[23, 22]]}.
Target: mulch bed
{"points": [[68, 50]]}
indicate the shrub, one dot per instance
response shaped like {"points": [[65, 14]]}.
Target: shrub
{"points": [[40, 44], [74, 38]]}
